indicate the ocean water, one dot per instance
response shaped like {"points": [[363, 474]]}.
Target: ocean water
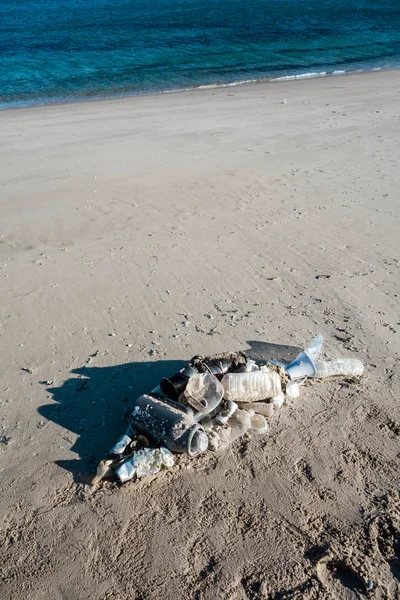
{"points": [[61, 50]]}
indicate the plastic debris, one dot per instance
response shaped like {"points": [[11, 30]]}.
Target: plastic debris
{"points": [[145, 462], [348, 367], [258, 424], [250, 387], [292, 390], [169, 423], [304, 364], [209, 404], [225, 414], [203, 393], [266, 409]]}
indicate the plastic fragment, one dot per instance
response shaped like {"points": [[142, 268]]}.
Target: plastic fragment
{"points": [[292, 390], [259, 424], [145, 462], [226, 413], [204, 393], [278, 401], [315, 348]]}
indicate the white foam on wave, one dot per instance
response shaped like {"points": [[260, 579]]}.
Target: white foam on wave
{"points": [[211, 86], [301, 76]]}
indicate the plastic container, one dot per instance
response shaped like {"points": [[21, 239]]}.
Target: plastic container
{"points": [[304, 363], [204, 393], [251, 387], [169, 424], [350, 367], [174, 386], [219, 364], [258, 424], [239, 423]]}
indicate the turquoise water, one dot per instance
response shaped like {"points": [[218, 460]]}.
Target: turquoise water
{"points": [[60, 50]]}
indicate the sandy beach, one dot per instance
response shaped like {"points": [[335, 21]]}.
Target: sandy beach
{"points": [[138, 232]]}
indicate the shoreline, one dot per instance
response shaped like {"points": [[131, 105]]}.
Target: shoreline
{"points": [[218, 86]]}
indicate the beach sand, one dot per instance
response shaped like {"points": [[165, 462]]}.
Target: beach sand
{"points": [[138, 232]]}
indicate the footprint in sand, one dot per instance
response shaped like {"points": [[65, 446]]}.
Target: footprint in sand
{"points": [[340, 580]]}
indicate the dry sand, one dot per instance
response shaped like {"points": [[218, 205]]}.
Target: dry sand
{"points": [[138, 232]]}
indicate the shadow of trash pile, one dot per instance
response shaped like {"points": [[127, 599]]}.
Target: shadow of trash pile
{"points": [[204, 405]]}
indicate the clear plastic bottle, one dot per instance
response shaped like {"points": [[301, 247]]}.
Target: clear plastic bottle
{"points": [[221, 436], [266, 409], [350, 367], [251, 387]]}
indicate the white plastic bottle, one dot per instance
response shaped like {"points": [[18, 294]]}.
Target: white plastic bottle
{"points": [[261, 408], [350, 367], [251, 387]]}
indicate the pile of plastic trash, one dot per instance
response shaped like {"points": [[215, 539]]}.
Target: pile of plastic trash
{"points": [[210, 403]]}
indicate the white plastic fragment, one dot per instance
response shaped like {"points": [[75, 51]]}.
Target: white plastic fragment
{"points": [[122, 443], [167, 457], [292, 390], [248, 367], [278, 401], [126, 471]]}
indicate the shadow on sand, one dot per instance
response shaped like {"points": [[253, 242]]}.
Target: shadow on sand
{"points": [[94, 403]]}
